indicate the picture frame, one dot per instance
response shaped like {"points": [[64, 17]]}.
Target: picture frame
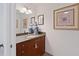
{"points": [[25, 23], [32, 20], [40, 19], [17, 23], [66, 18]]}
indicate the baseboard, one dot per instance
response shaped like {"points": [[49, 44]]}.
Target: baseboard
{"points": [[48, 54]]}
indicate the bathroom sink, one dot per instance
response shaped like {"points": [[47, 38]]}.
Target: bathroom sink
{"points": [[31, 36]]}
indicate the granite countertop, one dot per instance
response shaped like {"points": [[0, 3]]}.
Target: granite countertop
{"points": [[27, 37]]}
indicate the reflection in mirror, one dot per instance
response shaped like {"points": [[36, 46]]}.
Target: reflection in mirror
{"points": [[21, 22]]}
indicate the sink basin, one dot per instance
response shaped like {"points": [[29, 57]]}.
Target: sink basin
{"points": [[31, 36]]}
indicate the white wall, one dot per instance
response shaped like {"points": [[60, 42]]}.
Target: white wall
{"points": [[58, 42]]}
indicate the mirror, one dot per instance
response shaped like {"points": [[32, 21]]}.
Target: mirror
{"points": [[21, 22], [26, 18]]}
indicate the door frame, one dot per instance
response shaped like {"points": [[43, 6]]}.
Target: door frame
{"points": [[9, 28]]}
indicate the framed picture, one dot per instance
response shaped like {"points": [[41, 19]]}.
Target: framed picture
{"points": [[40, 19], [32, 20], [17, 23], [25, 23], [67, 18]]}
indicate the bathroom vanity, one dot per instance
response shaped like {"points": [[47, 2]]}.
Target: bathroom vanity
{"points": [[30, 45]]}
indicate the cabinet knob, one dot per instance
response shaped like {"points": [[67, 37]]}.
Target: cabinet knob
{"points": [[36, 46], [22, 51], [23, 45]]}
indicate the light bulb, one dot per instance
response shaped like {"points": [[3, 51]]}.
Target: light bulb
{"points": [[66, 12], [21, 11], [24, 9], [30, 11], [27, 12]]}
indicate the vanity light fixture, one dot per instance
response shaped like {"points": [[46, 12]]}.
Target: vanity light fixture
{"points": [[66, 12], [25, 10]]}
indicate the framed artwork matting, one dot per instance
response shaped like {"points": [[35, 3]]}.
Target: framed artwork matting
{"points": [[67, 18]]}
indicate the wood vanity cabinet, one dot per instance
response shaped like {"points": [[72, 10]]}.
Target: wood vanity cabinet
{"points": [[33, 47]]}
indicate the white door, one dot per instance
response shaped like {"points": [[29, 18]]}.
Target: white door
{"points": [[7, 29]]}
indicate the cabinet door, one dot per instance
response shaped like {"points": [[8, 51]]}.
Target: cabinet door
{"points": [[28, 48], [25, 48], [18, 49], [40, 46], [32, 50]]}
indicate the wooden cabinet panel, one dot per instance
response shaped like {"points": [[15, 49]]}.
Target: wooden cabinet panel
{"points": [[25, 48], [41, 46], [28, 48], [33, 47], [18, 49]]}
